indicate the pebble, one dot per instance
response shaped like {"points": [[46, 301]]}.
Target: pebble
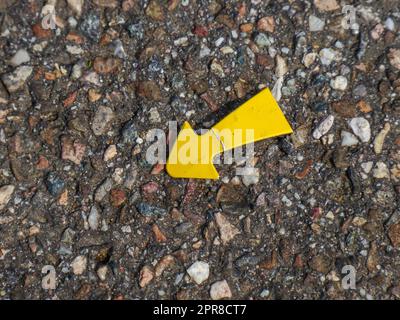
{"points": [[16, 80], [54, 184], [129, 133], [76, 6], [323, 127], [380, 138], [94, 218], [381, 171], [327, 56], [149, 210], [315, 24], [91, 27], [72, 150], [146, 276], [250, 176], [226, 229], [220, 290], [266, 24], [102, 119], [339, 83], [394, 58], [78, 265], [309, 59], [103, 190], [20, 57], [361, 128], [262, 40], [348, 139], [102, 272], [281, 66], [199, 271], [110, 152], [326, 5], [394, 234], [5, 195], [389, 24], [367, 166], [75, 50]]}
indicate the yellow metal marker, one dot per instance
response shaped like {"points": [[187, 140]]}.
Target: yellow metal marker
{"points": [[192, 154]]}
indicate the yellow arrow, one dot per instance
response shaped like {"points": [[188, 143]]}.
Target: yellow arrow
{"points": [[257, 119]]}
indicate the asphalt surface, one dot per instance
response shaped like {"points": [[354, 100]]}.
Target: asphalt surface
{"points": [[84, 215]]}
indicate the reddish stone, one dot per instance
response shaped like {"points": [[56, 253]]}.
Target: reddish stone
{"points": [[118, 197]]}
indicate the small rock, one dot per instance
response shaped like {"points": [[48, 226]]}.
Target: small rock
{"points": [[377, 31], [118, 197], [326, 5], [54, 184], [154, 116], [262, 40], [149, 210], [327, 56], [394, 58], [146, 276], [394, 235], [199, 271], [220, 290], [348, 139], [149, 90], [226, 229], [381, 171], [94, 218], [281, 67], [103, 190], [91, 26], [158, 235], [361, 128], [102, 272], [321, 263], [266, 24], [20, 57], [110, 152], [155, 11], [16, 80], [389, 24], [79, 265], [75, 50], [76, 6], [72, 150], [315, 24], [105, 65], [309, 59], [5, 195], [250, 176], [367, 166], [339, 83], [163, 264], [323, 127], [380, 138], [102, 119], [106, 3]]}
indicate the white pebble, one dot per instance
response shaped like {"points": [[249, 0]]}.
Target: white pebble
{"points": [[20, 57], [199, 271], [327, 56], [315, 24], [381, 171], [339, 83], [79, 265], [220, 290], [323, 127], [348, 139], [361, 128]]}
